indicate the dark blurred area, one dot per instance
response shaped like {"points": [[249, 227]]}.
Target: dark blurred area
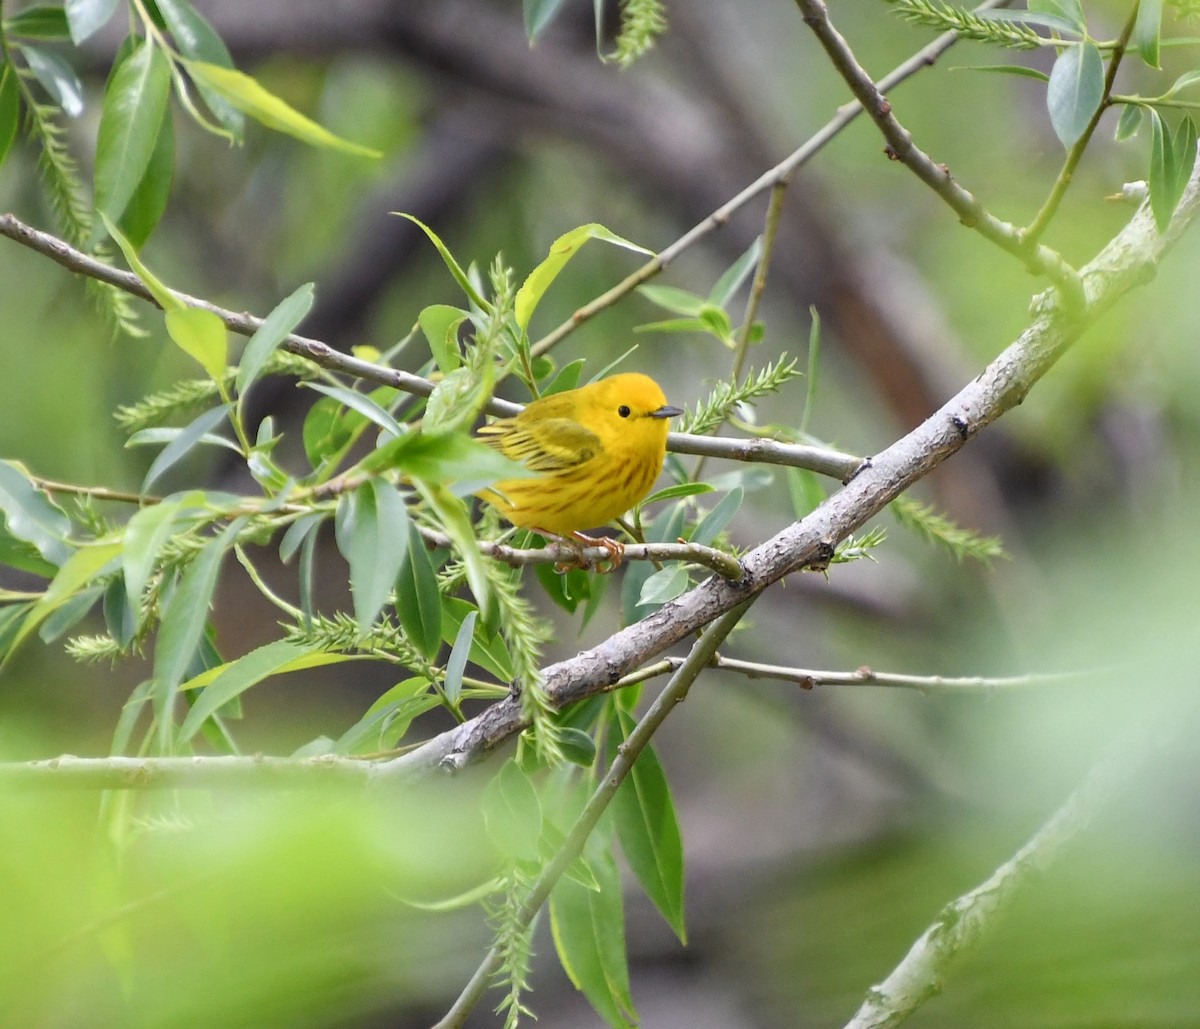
{"points": [[824, 829]]}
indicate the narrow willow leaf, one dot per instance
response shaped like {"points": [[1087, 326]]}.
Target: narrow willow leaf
{"points": [[1188, 78], [145, 534], [439, 323], [249, 97], [665, 528], [456, 523], [537, 15], [196, 39], [456, 271], [735, 275], [373, 537], [135, 104], [163, 296], [457, 400], [10, 108], [297, 532], [1075, 90], [1129, 122], [218, 686], [673, 299], [1008, 69], [456, 663], [1162, 171], [57, 77], [644, 816], [85, 565], [1147, 30], [39, 22], [588, 927], [488, 650], [120, 615], [561, 251], [683, 489], [361, 403], [30, 515], [275, 328], [68, 614], [202, 335], [418, 603], [1185, 157], [181, 631], [369, 731], [87, 17], [1070, 11], [183, 443], [714, 523], [1064, 26], [512, 813], [149, 201]]}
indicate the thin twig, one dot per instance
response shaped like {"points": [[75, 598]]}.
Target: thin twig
{"points": [[1037, 258], [673, 693], [818, 459], [923, 58], [807, 678]]}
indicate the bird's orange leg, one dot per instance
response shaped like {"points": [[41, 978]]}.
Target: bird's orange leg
{"points": [[577, 541]]}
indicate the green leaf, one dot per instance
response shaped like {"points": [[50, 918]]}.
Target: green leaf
{"points": [[30, 515], [135, 105], [181, 631], [805, 491], [512, 813], [1185, 156], [57, 77], [183, 443], [561, 251], [373, 537], [457, 400], [456, 523], [1147, 30], [149, 201], [144, 437], [577, 746], [444, 458], [1162, 171], [1064, 26], [202, 335], [16, 553], [120, 615], [644, 816], [85, 565], [675, 325], [195, 38], [439, 323], [589, 934], [222, 684], [87, 17], [165, 299], [487, 648], [538, 14], [1075, 90], [460, 276], [677, 301], [69, 613], [735, 275], [418, 603], [567, 588], [1188, 78], [275, 328], [378, 725], [361, 403], [1129, 122], [244, 93], [682, 489], [456, 663], [10, 108], [1070, 11], [325, 432], [664, 585], [714, 523], [145, 534], [665, 528], [39, 22], [1007, 69]]}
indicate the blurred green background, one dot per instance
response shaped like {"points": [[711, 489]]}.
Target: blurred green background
{"points": [[824, 829]]}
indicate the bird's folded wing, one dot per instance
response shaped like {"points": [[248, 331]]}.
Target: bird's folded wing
{"points": [[549, 445]]}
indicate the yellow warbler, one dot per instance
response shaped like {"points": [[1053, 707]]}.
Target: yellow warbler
{"points": [[597, 451]]}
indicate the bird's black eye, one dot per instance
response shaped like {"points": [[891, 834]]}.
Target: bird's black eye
{"points": [[623, 411]]}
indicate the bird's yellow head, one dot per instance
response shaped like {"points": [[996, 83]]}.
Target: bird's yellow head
{"points": [[629, 409]]}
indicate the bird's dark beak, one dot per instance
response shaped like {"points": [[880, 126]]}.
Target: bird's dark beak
{"points": [[667, 411]]}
